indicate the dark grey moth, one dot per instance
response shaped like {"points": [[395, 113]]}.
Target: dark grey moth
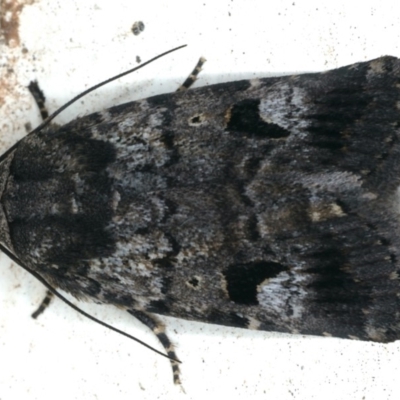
{"points": [[269, 204]]}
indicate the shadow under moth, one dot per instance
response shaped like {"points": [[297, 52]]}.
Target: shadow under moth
{"points": [[268, 204]]}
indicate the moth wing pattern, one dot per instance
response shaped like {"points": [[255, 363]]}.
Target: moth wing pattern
{"points": [[268, 204]]}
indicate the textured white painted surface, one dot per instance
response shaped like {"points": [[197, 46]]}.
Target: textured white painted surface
{"points": [[70, 45]]}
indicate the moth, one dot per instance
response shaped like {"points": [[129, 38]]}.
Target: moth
{"points": [[268, 204]]}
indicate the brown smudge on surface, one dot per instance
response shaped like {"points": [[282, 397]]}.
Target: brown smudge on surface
{"points": [[10, 11], [15, 101], [7, 79]]}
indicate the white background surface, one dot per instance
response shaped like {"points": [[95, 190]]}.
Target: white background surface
{"points": [[70, 45]]}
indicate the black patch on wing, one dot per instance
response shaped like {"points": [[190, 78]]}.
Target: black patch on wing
{"points": [[227, 318], [242, 279], [245, 118]]}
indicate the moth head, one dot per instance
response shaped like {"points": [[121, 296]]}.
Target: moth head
{"points": [[5, 239]]}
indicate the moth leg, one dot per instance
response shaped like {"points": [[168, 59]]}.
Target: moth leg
{"points": [[193, 76], [159, 330], [39, 98], [43, 305]]}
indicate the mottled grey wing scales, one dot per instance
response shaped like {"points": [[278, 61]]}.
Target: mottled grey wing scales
{"points": [[267, 204]]}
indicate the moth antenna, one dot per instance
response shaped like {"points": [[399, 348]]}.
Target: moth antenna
{"points": [[76, 308], [91, 89], [84, 93]]}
